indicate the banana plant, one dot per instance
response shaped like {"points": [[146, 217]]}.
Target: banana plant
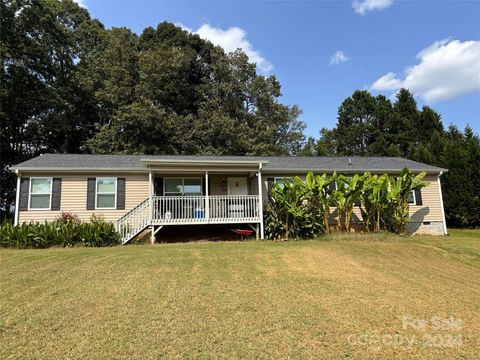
{"points": [[294, 209], [289, 198], [374, 199], [398, 196], [321, 195], [347, 194]]}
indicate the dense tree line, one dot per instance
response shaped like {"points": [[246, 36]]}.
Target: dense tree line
{"points": [[70, 85], [370, 125]]}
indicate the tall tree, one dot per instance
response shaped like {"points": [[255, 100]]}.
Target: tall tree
{"points": [[403, 121], [429, 121], [353, 126], [379, 138], [326, 144], [41, 105]]}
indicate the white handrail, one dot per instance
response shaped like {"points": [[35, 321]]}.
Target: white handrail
{"points": [[133, 221]]}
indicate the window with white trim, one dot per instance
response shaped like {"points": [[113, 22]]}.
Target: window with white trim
{"points": [[40, 193], [280, 180], [106, 193], [183, 187]]}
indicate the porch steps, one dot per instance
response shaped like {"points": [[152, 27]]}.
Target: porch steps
{"points": [[133, 222]]}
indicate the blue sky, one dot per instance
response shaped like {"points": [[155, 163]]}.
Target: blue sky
{"points": [[378, 46]]}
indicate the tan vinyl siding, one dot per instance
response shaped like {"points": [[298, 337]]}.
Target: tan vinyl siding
{"points": [[254, 185], [431, 210], [74, 198], [216, 187]]}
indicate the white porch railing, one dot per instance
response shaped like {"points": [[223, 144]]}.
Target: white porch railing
{"points": [[232, 208], [194, 210], [178, 209]]}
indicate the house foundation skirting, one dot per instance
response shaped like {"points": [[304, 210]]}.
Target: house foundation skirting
{"points": [[425, 228]]}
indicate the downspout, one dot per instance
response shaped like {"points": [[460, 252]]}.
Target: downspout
{"points": [[17, 198], [441, 204]]}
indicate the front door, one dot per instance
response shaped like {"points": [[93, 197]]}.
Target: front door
{"points": [[237, 186]]}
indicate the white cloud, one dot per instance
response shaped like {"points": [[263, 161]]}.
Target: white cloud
{"points": [[447, 69], [363, 6], [230, 40], [338, 58], [387, 82], [81, 3]]}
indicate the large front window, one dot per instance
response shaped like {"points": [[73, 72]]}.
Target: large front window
{"points": [[106, 193], [40, 193], [183, 187]]}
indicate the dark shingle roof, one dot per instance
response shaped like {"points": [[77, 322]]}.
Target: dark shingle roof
{"points": [[275, 163]]}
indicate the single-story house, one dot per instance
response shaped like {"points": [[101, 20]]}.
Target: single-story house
{"points": [[151, 191]]}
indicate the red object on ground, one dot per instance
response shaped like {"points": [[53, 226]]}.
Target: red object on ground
{"points": [[242, 232]]}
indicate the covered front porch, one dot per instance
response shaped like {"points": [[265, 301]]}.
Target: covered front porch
{"points": [[198, 192]]}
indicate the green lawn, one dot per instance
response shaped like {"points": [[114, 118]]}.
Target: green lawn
{"points": [[333, 298]]}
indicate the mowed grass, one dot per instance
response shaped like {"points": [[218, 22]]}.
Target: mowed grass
{"points": [[339, 297]]}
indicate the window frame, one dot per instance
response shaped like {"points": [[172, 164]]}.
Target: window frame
{"points": [[30, 193], [105, 193], [414, 198], [182, 193]]}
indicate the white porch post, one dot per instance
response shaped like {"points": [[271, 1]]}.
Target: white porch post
{"points": [[441, 204], [150, 196], [17, 198], [260, 200], [207, 200], [150, 207]]}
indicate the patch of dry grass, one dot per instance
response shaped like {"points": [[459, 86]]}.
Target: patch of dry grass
{"points": [[253, 299]]}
